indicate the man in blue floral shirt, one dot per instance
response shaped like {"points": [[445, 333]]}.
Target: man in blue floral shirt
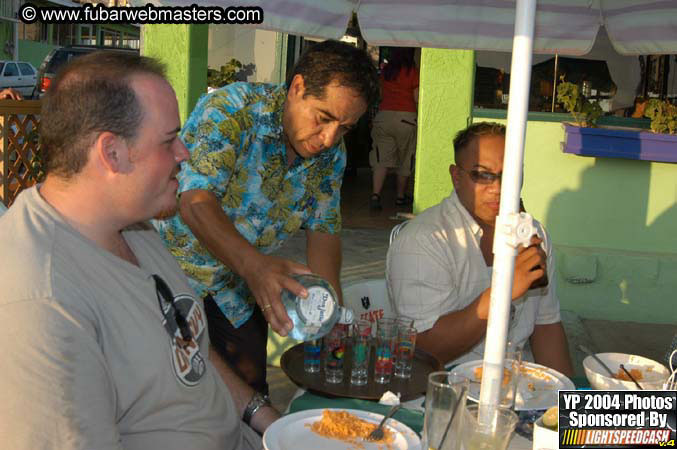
{"points": [[265, 162]]}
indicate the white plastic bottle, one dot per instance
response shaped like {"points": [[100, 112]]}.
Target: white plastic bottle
{"points": [[315, 315]]}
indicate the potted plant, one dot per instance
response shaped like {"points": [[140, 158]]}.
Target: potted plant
{"points": [[585, 139], [225, 75], [584, 111], [663, 116]]}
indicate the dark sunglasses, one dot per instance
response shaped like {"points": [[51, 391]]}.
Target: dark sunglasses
{"points": [[482, 176], [163, 292]]}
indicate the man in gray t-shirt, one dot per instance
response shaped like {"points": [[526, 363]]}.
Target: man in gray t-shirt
{"points": [[106, 344]]}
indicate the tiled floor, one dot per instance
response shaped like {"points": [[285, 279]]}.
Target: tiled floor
{"points": [[355, 196]]}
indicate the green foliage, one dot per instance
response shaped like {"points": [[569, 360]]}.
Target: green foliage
{"points": [[663, 116], [226, 75], [584, 111]]}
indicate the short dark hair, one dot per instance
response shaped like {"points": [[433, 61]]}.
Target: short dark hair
{"points": [[400, 58], [329, 61], [465, 137], [89, 95]]}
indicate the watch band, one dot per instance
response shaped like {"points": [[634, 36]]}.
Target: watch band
{"points": [[257, 401]]}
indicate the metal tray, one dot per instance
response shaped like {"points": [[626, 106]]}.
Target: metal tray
{"points": [[424, 363]]}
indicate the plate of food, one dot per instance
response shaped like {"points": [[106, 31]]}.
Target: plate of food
{"points": [[536, 388], [336, 429]]}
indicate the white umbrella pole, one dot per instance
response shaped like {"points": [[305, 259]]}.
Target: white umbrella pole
{"points": [[511, 228]]}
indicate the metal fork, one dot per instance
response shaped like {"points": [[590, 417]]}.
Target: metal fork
{"points": [[377, 434], [631, 377]]}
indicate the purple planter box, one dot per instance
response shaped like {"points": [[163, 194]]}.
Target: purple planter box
{"points": [[620, 143]]}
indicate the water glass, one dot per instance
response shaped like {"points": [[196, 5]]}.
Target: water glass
{"points": [[386, 336], [405, 346], [312, 355], [361, 351], [334, 352], [490, 431], [442, 397], [512, 371]]}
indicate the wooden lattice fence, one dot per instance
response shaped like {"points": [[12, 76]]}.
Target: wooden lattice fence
{"points": [[20, 152]]}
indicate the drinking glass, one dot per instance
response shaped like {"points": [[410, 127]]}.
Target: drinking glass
{"points": [[312, 355], [490, 431], [405, 346], [334, 352], [442, 397], [512, 371], [361, 351], [386, 335]]}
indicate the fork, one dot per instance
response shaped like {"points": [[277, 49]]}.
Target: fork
{"points": [[631, 377], [377, 434]]}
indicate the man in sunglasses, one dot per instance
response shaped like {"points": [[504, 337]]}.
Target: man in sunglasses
{"points": [[105, 343], [439, 267]]}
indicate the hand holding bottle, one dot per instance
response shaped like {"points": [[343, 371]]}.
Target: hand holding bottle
{"points": [[267, 277], [530, 266]]}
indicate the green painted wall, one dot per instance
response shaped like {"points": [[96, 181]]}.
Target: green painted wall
{"points": [[34, 52], [183, 48], [444, 108]]}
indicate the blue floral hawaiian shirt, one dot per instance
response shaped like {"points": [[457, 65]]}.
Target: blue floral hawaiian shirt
{"points": [[237, 149]]}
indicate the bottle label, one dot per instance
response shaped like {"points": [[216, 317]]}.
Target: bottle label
{"points": [[318, 307]]}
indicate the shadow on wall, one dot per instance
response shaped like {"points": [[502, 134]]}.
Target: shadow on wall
{"points": [[612, 264]]}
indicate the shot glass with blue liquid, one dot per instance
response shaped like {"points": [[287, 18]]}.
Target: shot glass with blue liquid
{"points": [[312, 355]]}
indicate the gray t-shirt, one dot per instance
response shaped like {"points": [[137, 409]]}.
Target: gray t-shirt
{"points": [[90, 360]]}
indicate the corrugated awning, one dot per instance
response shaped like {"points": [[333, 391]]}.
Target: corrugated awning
{"points": [[567, 27]]}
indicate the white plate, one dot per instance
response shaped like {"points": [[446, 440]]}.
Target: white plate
{"points": [[546, 382], [291, 433]]}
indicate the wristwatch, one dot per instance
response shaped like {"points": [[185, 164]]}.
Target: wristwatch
{"points": [[257, 402]]}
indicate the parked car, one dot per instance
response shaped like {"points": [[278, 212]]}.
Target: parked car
{"points": [[19, 75], [59, 56]]}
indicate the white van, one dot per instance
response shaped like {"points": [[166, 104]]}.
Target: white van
{"points": [[19, 75]]}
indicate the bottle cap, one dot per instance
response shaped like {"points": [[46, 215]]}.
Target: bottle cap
{"points": [[347, 316]]}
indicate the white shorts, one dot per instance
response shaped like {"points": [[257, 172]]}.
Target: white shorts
{"points": [[394, 141]]}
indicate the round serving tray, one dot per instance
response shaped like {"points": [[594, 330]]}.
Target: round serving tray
{"points": [[424, 363]]}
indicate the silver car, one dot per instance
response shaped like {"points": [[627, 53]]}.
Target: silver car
{"points": [[19, 75]]}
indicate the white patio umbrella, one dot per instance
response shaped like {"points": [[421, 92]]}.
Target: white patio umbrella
{"points": [[567, 27]]}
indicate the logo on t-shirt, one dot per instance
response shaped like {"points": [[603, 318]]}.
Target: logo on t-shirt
{"points": [[189, 364]]}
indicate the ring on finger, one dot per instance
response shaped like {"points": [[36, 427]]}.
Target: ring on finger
{"points": [[266, 307]]}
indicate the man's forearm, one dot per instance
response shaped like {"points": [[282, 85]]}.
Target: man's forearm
{"points": [[456, 333], [550, 347], [324, 258], [242, 393]]}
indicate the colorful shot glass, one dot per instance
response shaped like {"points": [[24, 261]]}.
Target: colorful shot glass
{"points": [[386, 337], [312, 355], [334, 354], [405, 346], [361, 350]]}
